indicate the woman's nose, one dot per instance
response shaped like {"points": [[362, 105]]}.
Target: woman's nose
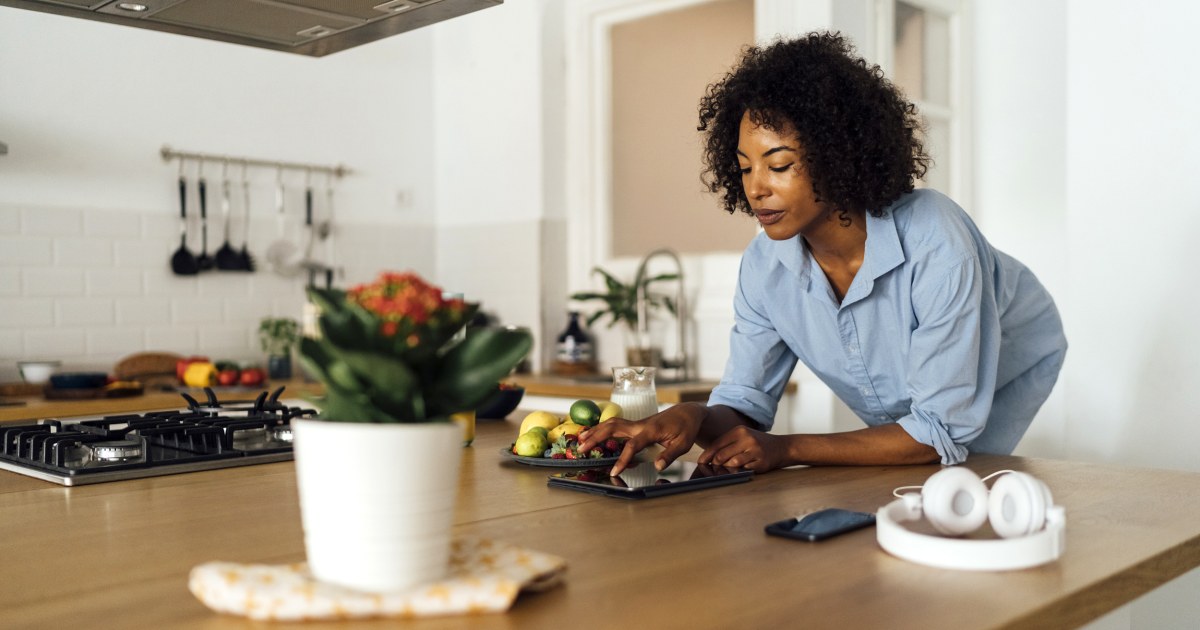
{"points": [[754, 185]]}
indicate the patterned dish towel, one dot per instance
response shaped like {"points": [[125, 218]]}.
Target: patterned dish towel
{"points": [[484, 576]]}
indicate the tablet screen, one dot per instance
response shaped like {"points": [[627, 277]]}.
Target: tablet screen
{"points": [[643, 479]]}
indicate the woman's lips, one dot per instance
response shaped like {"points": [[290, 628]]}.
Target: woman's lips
{"points": [[768, 217]]}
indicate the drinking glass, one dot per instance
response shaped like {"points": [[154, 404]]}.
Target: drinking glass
{"points": [[633, 389]]}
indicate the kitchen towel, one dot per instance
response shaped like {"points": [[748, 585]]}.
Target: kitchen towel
{"points": [[484, 576]]}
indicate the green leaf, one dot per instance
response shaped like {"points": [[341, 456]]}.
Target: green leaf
{"points": [[469, 371]]}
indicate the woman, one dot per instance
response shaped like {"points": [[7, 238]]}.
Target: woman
{"points": [[940, 343]]}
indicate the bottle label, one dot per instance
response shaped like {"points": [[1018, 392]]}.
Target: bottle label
{"points": [[572, 351]]}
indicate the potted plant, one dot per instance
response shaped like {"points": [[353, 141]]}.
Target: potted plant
{"points": [[277, 336], [620, 304], [378, 469]]}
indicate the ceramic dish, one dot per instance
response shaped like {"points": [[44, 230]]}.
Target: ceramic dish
{"points": [[558, 463]]}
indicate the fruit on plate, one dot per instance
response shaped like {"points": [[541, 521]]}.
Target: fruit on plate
{"points": [[531, 444], [566, 428], [567, 447], [585, 413], [609, 410], [543, 419], [541, 430]]}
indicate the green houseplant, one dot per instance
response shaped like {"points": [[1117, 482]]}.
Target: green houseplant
{"points": [[277, 336], [620, 305], [392, 351], [377, 471]]}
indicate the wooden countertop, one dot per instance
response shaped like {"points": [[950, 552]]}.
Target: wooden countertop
{"points": [[37, 407], [118, 554], [600, 386]]}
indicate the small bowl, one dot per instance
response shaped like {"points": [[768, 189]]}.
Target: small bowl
{"points": [[37, 372], [502, 402]]}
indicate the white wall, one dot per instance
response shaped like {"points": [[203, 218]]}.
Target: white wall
{"points": [[89, 210]]}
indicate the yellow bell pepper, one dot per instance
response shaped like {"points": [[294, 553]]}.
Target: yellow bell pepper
{"points": [[200, 374]]}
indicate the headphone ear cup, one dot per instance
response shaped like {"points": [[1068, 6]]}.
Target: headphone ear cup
{"points": [[955, 501], [1018, 504]]}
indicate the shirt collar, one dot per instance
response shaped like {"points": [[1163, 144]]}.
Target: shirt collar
{"points": [[883, 254]]}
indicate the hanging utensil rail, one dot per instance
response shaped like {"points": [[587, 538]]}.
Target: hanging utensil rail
{"points": [[337, 170]]}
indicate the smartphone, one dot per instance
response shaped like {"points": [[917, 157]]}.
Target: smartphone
{"points": [[821, 525]]}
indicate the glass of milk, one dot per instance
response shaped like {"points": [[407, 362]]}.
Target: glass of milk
{"points": [[633, 389]]}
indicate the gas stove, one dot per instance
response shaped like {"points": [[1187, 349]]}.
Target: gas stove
{"points": [[204, 436]]}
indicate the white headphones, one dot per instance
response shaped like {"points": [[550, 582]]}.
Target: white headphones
{"points": [[955, 502]]}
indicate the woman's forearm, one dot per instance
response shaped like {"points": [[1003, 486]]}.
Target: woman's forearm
{"points": [[873, 446]]}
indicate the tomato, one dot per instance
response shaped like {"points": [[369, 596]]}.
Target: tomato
{"points": [[227, 378], [252, 377]]}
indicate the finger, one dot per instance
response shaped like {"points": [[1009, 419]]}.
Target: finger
{"points": [[673, 449], [635, 444], [709, 456], [592, 436]]}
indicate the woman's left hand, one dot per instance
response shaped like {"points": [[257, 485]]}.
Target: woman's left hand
{"points": [[743, 447]]}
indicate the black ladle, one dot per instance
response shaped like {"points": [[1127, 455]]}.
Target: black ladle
{"points": [[183, 262], [204, 262], [227, 258]]}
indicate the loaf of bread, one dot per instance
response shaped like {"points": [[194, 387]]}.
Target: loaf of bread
{"points": [[141, 366]]}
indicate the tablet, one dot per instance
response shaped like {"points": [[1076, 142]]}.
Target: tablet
{"points": [[641, 481]]}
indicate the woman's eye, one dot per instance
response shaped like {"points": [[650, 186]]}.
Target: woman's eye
{"points": [[744, 169], [782, 169]]}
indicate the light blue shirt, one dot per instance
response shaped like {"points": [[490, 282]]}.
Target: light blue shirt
{"points": [[939, 331]]}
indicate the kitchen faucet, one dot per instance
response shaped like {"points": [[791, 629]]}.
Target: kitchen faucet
{"points": [[681, 363]]}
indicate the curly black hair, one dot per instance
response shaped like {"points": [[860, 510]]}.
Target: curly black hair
{"points": [[861, 139]]}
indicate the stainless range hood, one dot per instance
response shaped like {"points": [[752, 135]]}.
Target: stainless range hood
{"points": [[306, 27]]}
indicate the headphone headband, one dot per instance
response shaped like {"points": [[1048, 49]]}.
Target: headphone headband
{"points": [[956, 553]]}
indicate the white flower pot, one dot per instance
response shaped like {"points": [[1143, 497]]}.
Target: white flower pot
{"points": [[377, 500]]}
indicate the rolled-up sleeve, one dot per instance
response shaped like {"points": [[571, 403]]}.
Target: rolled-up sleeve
{"points": [[952, 360], [759, 364]]}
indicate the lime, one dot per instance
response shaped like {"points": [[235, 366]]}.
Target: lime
{"points": [[585, 413], [542, 430], [531, 444]]}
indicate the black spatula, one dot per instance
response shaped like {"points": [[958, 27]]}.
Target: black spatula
{"points": [[183, 262], [204, 262]]}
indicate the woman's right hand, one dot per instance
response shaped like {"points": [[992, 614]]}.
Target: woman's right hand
{"points": [[674, 429]]}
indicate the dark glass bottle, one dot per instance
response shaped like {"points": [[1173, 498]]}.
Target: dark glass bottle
{"points": [[574, 353]]}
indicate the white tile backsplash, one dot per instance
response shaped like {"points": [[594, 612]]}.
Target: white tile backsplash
{"points": [[83, 252], [10, 220], [55, 343], [10, 282], [25, 312], [52, 281], [114, 343], [39, 221], [89, 286], [83, 311], [112, 224], [25, 250], [143, 311], [114, 282]]}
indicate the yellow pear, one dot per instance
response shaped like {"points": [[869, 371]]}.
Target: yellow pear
{"points": [[543, 419], [610, 409], [566, 428]]}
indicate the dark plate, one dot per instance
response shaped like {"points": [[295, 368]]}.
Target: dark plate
{"points": [[558, 463]]}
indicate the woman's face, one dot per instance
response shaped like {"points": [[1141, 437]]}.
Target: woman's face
{"points": [[776, 184]]}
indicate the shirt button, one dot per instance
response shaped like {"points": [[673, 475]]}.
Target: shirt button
{"points": [[865, 391], [852, 349]]}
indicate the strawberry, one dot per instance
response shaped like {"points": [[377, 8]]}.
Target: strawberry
{"points": [[612, 445], [558, 456], [595, 453]]}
